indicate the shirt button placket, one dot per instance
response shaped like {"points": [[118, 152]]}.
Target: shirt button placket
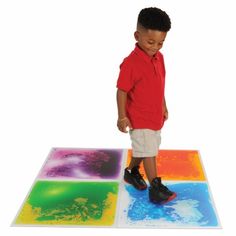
{"points": [[154, 63]]}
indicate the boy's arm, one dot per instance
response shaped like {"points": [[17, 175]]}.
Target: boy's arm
{"points": [[123, 121]]}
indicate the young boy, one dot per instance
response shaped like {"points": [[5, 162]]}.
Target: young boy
{"points": [[141, 101]]}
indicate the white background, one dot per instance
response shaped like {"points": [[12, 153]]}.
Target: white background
{"points": [[58, 71]]}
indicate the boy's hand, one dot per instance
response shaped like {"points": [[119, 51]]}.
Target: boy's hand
{"points": [[165, 110], [166, 115], [123, 123]]}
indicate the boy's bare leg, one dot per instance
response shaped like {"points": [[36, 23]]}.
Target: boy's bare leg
{"points": [[135, 162], [150, 168]]}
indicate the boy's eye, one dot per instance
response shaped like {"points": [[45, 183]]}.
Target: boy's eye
{"points": [[150, 42]]}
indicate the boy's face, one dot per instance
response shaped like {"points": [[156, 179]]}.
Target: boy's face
{"points": [[150, 41]]}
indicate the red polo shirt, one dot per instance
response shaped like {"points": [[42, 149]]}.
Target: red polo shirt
{"points": [[143, 78]]}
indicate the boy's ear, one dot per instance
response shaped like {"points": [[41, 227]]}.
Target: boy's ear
{"points": [[136, 35]]}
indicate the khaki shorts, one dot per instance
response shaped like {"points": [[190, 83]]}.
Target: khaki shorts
{"points": [[145, 142]]}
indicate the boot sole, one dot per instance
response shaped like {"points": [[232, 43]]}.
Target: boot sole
{"points": [[138, 188]]}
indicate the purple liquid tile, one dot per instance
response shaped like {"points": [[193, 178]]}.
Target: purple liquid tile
{"points": [[83, 164]]}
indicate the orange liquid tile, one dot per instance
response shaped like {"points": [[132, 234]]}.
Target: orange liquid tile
{"points": [[176, 165]]}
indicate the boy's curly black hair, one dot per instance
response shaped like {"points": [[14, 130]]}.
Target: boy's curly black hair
{"points": [[155, 19]]}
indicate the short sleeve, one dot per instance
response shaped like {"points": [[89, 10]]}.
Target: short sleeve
{"points": [[125, 80]]}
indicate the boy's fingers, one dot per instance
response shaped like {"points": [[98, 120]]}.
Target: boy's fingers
{"points": [[123, 126], [124, 130], [130, 126]]}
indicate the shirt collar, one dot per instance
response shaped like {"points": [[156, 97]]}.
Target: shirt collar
{"points": [[144, 55]]}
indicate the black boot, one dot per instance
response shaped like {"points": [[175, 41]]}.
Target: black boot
{"points": [[158, 193], [135, 178]]}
